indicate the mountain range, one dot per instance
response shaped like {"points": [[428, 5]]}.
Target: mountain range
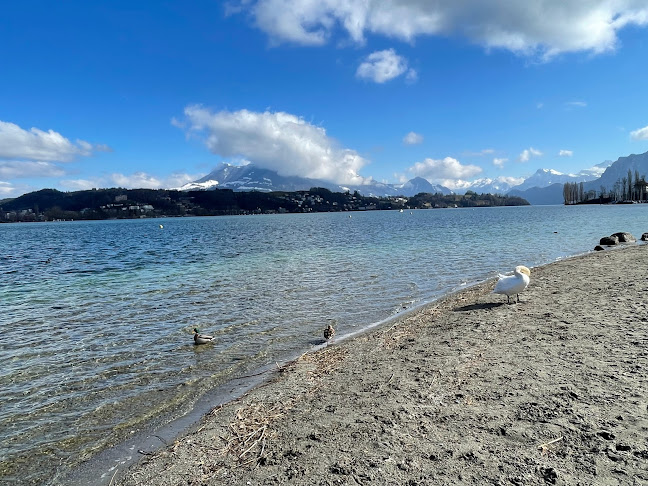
{"points": [[543, 187]]}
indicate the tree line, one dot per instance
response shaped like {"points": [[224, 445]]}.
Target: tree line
{"points": [[631, 188]]}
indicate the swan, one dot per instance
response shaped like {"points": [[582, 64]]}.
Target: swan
{"points": [[201, 338], [513, 284]]}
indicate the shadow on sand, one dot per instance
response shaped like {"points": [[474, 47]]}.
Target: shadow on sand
{"points": [[486, 305]]}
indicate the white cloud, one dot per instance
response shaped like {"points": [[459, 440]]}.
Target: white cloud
{"points": [[448, 171], [383, 66], [640, 134], [137, 180], [576, 104], [15, 169], [11, 189], [566, 153], [278, 141], [545, 28], [526, 154], [413, 138], [6, 189], [499, 162], [80, 184], [481, 153], [35, 144]]}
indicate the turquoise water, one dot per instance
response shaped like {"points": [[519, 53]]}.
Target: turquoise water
{"points": [[96, 321]]}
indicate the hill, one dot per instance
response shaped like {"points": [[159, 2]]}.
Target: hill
{"points": [[118, 203]]}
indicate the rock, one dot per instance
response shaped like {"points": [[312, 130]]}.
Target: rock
{"points": [[625, 237], [644, 237], [609, 240], [607, 435], [598, 248]]}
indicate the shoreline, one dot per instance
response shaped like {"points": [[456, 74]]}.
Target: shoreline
{"points": [[464, 390]]}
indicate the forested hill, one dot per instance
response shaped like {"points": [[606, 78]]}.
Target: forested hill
{"points": [[117, 203]]}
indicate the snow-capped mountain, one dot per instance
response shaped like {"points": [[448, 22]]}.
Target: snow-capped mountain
{"points": [[489, 186], [543, 187], [547, 177], [252, 178]]}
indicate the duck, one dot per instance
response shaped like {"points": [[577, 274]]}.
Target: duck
{"points": [[329, 332], [201, 338], [513, 284]]}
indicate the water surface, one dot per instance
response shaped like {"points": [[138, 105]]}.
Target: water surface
{"points": [[95, 329]]}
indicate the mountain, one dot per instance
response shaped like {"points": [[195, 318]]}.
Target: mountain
{"points": [[552, 194], [252, 178], [618, 170], [606, 175], [489, 186], [547, 177], [418, 185]]}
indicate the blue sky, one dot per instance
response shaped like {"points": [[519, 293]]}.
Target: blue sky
{"points": [[156, 94]]}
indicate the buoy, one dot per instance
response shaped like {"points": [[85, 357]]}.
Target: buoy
{"points": [[161, 226]]}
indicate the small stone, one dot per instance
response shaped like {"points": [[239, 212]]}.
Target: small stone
{"points": [[607, 435]]}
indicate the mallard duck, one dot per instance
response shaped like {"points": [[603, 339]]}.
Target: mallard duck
{"points": [[513, 284], [329, 332], [201, 338]]}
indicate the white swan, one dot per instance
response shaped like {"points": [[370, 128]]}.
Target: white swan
{"points": [[513, 284]]}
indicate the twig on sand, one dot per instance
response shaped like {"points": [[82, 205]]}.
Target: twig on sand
{"points": [[545, 447], [113, 477]]}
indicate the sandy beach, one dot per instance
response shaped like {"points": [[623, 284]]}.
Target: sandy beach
{"points": [[468, 390]]}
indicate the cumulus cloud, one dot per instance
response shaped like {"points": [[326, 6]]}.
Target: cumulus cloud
{"points": [[36, 144], [448, 171], [639, 134], [413, 138], [383, 66], [136, 180], [545, 28], [499, 162], [566, 153], [526, 154], [276, 140]]}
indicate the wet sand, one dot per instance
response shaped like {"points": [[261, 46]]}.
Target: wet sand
{"points": [[468, 390]]}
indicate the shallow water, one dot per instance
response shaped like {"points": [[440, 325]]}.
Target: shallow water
{"points": [[95, 329]]}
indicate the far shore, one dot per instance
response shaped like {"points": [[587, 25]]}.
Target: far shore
{"points": [[468, 390]]}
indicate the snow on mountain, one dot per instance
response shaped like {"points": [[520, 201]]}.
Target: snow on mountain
{"points": [[197, 186], [252, 178], [546, 177], [501, 185]]}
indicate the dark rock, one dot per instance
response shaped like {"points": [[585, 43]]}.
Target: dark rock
{"points": [[605, 434], [599, 248], [609, 240], [625, 237], [623, 447], [644, 237], [549, 475]]}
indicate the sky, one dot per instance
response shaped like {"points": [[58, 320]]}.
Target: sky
{"points": [[156, 94]]}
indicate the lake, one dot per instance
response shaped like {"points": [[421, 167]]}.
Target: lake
{"points": [[97, 316]]}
